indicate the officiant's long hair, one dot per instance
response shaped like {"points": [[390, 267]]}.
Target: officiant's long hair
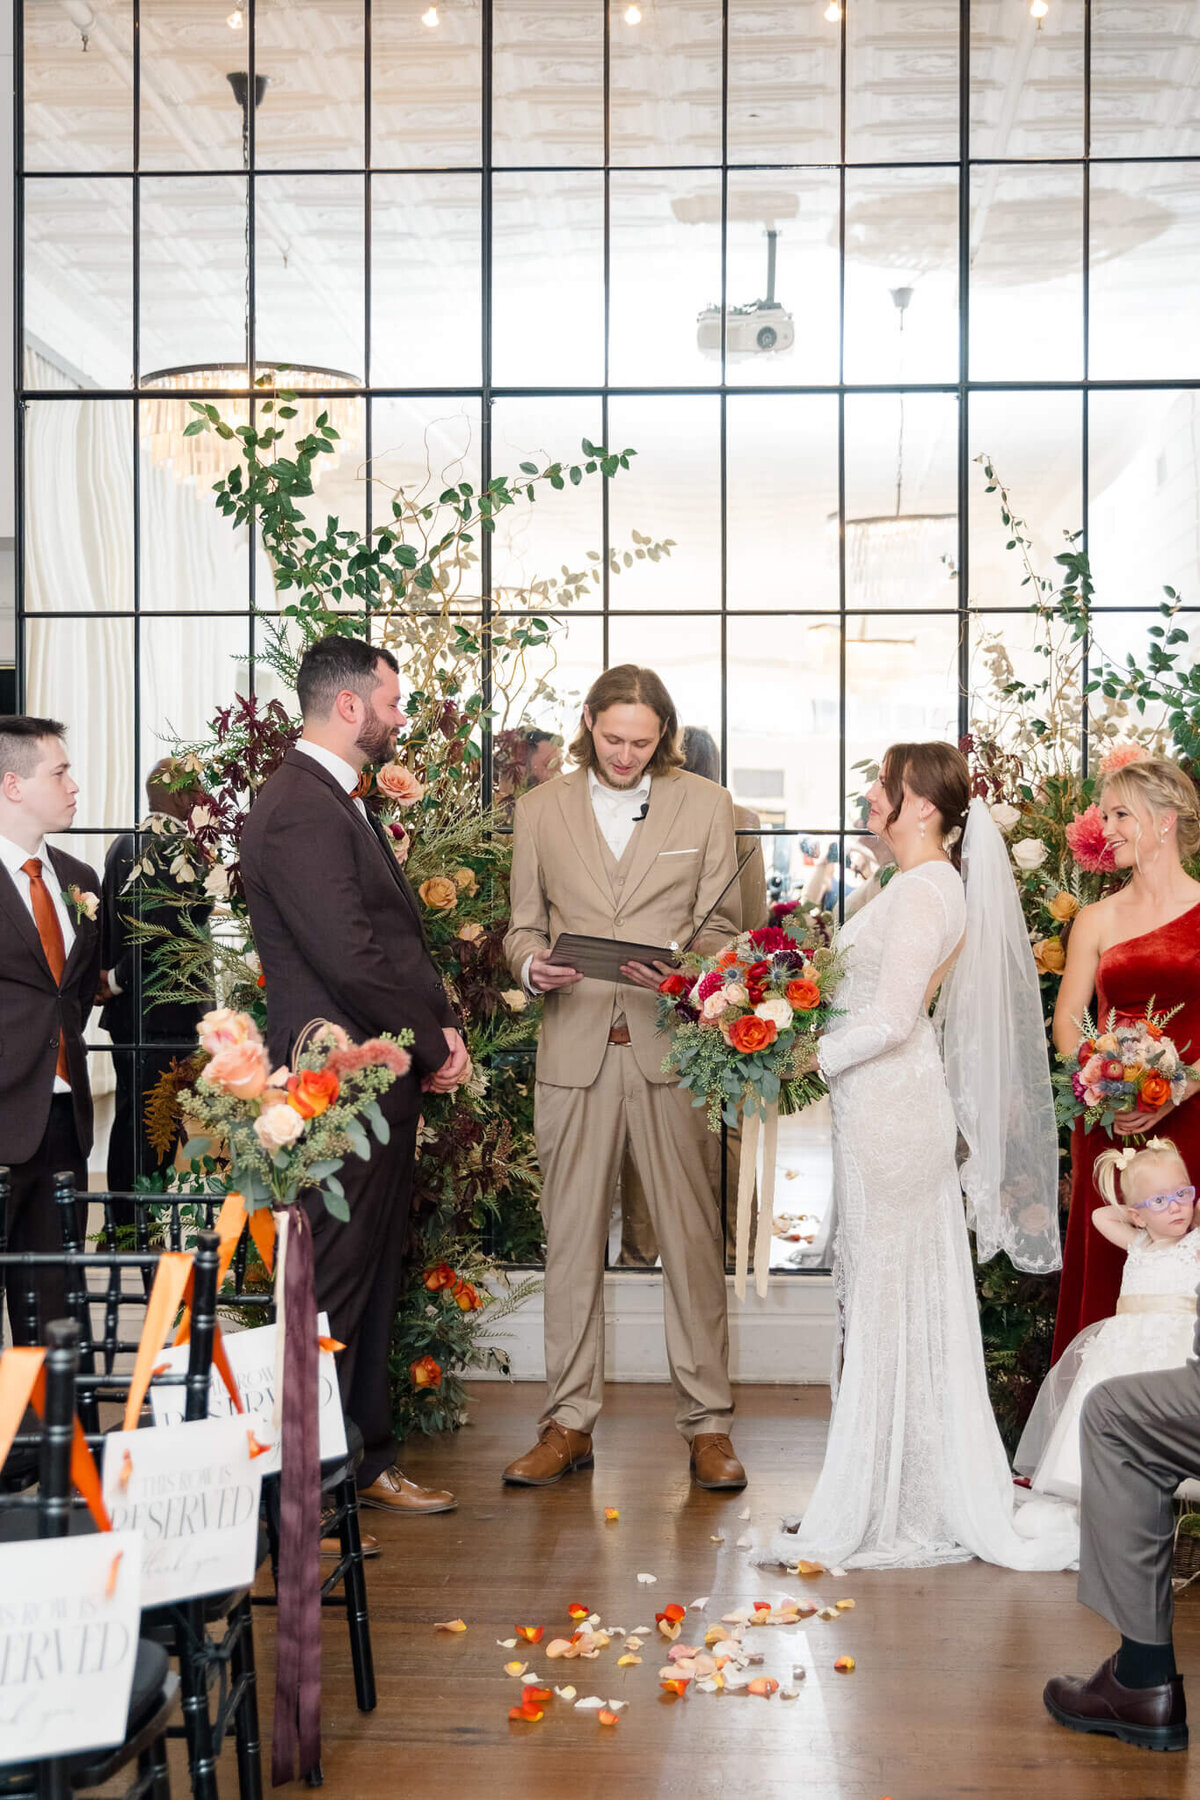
{"points": [[627, 685]]}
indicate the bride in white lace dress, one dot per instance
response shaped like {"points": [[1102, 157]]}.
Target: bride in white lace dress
{"points": [[915, 1472]]}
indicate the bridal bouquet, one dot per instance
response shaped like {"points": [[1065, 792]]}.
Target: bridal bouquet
{"points": [[743, 1024], [1132, 1066], [291, 1128]]}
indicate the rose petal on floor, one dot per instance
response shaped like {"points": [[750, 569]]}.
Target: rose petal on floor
{"points": [[532, 1634], [629, 1662], [450, 1625], [844, 1665], [808, 1570], [534, 1696], [606, 1716], [611, 1514], [763, 1686], [515, 1668], [507, 1643], [700, 1604], [844, 1605], [647, 1580], [566, 1693], [591, 1704]]}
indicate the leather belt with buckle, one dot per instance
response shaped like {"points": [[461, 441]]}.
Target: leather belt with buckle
{"points": [[619, 1034]]}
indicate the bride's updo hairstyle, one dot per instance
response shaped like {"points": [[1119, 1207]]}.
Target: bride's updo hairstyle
{"points": [[1152, 787], [938, 773], [1112, 1167]]}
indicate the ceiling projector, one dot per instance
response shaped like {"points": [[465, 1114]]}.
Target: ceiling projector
{"points": [[760, 328]]}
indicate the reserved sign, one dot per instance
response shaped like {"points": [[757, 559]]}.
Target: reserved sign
{"points": [[69, 1610], [191, 1492], [252, 1357]]}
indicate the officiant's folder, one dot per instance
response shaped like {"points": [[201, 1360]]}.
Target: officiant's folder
{"points": [[600, 959]]}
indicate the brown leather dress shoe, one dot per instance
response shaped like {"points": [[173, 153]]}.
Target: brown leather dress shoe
{"points": [[398, 1494], [332, 1546], [558, 1452], [1152, 1718], [714, 1464]]}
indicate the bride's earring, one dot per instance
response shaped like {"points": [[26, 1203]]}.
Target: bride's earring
{"points": [[921, 829]]}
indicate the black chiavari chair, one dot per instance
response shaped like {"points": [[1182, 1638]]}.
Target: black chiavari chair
{"points": [[51, 1514]]}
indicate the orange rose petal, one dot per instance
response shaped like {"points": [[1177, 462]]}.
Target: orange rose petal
{"points": [[329, 1343], [674, 1612], [256, 1449], [612, 1514], [450, 1625], [578, 1611], [629, 1662], [677, 1684], [559, 1647], [531, 1633], [763, 1686], [809, 1569], [762, 1606], [529, 1714], [534, 1696], [844, 1665], [844, 1605], [607, 1718]]}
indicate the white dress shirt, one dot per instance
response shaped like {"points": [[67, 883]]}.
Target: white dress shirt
{"points": [[343, 773], [617, 811], [12, 856]]}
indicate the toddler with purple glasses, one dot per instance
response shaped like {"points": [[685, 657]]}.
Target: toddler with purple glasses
{"points": [[1150, 1208]]}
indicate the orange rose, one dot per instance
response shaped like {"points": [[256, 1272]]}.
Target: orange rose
{"points": [[397, 783], [466, 1296], [425, 1373], [439, 893], [728, 960], [240, 1069], [1156, 1091], [439, 1277], [312, 1091], [803, 995], [1050, 956], [750, 1034]]}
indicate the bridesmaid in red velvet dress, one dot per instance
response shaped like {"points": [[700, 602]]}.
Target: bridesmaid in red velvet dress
{"points": [[1134, 947]]}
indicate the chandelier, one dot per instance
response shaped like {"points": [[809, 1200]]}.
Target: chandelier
{"points": [[206, 457]]}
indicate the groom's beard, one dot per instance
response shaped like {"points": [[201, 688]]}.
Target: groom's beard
{"points": [[376, 740]]}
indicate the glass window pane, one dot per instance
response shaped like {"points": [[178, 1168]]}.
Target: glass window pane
{"points": [[1035, 444], [782, 501], [78, 511], [901, 500], [539, 703], [665, 84], [672, 489], [1026, 274], [1144, 496], [78, 94], [901, 275], [901, 687], [189, 667], [78, 302], [308, 258], [548, 82], [311, 53], [422, 445], [784, 76], [425, 280], [783, 290], [193, 273], [665, 278], [1144, 80], [1145, 270], [548, 279], [192, 559], [81, 671], [425, 86], [1027, 80], [191, 117], [901, 81], [783, 719], [688, 661], [560, 530]]}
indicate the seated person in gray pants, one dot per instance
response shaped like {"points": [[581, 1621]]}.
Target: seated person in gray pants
{"points": [[1139, 1438]]}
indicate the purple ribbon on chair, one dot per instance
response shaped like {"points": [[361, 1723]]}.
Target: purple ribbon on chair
{"points": [[297, 1722]]}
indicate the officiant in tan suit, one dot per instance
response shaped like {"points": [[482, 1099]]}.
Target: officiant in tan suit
{"points": [[628, 846]]}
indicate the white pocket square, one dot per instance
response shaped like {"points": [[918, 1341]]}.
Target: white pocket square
{"points": [[694, 851]]}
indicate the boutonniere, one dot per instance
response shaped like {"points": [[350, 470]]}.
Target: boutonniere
{"points": [[86, 905]]}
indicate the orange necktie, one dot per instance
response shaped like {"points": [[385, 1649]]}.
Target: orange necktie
{"points": [[45, 917]]}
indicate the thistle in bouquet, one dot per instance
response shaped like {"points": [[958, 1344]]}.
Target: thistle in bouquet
{"points": [[743, 1024], [291, 1128], [1132, 1066]]}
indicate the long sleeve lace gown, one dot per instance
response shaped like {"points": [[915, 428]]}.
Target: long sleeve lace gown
{"points": [[914, 1472]]}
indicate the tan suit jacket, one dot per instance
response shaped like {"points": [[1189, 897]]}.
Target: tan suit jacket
{"points": [[680, 857], [752, 882]]}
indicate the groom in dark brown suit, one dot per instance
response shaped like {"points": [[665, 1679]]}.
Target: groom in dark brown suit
{"points": [[49, 970], [338, 929]]}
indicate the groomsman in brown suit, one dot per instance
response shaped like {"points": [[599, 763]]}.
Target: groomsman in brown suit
{"points": [[49, 971], [627, 846], [338, 929]]}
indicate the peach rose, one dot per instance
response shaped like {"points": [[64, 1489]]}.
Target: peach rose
{"points": [[240, 1069], [465, 882], [470, 933], [439, 893], [277, 1128], [399, 784], [223, 1027], [712, 1008], [735, 994], [1050, 956], [1063, 907]]}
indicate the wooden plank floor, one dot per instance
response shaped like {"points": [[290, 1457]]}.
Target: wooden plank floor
{"points": [[945, 1700]]}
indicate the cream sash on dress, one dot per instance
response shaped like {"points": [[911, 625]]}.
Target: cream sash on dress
{"points": [[1157, 1303]]}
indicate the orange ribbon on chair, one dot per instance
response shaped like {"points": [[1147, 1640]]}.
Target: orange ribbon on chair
{"points": [[22, 1384], [171, 1280]]}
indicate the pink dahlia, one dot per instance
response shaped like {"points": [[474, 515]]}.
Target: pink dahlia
{"points": [[1085, 835], [1122, 756], [709, 984]]}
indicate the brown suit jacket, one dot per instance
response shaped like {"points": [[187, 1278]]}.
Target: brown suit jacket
{"points": [[680, 858], [34, 1009], [336, 923]]}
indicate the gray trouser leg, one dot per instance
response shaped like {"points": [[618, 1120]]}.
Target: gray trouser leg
{"points": [[1139, 1438]]}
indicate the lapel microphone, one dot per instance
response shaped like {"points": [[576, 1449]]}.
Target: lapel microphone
{"points": [[639, 816]]}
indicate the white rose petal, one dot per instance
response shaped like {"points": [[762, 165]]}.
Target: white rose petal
{"points": [[1029, 854], [1005, 816], [777, 1011]]}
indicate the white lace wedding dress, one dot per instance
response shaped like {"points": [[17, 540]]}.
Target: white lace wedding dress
{"points": [[914, 1472]]}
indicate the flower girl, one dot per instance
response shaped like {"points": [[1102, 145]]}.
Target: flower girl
{"points": [[1151, 1206]]}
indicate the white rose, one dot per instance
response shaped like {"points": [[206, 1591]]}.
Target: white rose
{"points": [[777, 1012], [1006, 816], [515, 1000], [278, 1127], [1029, 855], [216, 882]]}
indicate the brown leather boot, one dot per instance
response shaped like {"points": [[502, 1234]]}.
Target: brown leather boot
{"points": [[714, 1464], [558, 1452], [1152, 1718]]}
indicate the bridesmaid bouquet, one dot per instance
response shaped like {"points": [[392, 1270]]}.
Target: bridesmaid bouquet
{"points": [[744, 1023], [1132, 1066]]}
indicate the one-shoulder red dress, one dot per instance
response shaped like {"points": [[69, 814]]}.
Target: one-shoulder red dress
{"points": [[1163, 967]]}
